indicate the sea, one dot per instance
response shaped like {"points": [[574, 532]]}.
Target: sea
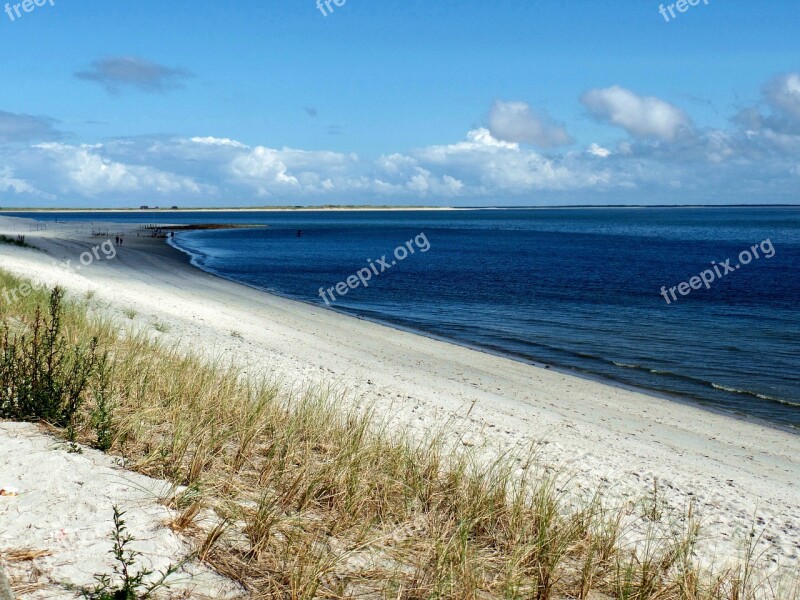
{"points": [[592, 291]]}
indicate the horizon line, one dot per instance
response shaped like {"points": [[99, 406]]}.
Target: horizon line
{"points": [[378, 207]]}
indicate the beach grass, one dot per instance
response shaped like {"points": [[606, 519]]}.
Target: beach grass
{"points": [[15, 241], [308, 494]]}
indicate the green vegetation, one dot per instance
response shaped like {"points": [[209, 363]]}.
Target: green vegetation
{"points": [[129, 582], [17, 241], [314, 497], [42, 377]]}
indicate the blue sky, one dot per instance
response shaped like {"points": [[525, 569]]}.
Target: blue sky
{"points": [[399, 102]]}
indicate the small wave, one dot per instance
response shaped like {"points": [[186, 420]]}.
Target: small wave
{"points": [[668, 374], [752, 394], [627, 366]]}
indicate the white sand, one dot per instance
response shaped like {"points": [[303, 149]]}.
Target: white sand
{"points": [[739, 473], [65, 506]]}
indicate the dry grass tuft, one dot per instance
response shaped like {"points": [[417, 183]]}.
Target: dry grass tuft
{"points": [[24, 555]]}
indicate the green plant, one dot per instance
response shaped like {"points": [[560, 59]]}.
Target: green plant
{"points": [[18, 241], [131, 581], [42, 377], [653, 504]]}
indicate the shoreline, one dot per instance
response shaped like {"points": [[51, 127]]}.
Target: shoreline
{"points": [[605, 436], [571, 372]]}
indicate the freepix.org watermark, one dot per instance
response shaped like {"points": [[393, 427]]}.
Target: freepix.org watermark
{"points": [[16, 10], [105, 250], [718, 271], [109, 251], [322, 5], [681, 6], [363, 276]]}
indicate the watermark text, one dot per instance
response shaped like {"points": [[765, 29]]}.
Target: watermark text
{"points": [[363, 276], [718, 271], [13, 10], [681, 6]]}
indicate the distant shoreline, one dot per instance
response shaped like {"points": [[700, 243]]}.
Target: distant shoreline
{"points": [[377, 208], [238, 209]]}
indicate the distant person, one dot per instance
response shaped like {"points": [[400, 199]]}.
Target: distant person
{"points": [[117, 240], [299, 233]]}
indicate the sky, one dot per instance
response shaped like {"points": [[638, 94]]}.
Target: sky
{"points": [[392, 102]]}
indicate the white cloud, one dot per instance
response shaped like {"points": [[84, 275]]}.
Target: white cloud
{"points": [[640, 116], [597, 150], [269, 170], [517, 122], [487, 165], [213, 141], [264, 168], [783, 94], [478, 140], [10, 183], [83, 170]]}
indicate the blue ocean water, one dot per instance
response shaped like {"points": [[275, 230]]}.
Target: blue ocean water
{"points": [[578, 289]]}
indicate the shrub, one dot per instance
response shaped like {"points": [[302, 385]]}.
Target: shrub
{"points": [[42, 377], [18, 241]]}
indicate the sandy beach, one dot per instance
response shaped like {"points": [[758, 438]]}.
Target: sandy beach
{"points": [[739, 474]]}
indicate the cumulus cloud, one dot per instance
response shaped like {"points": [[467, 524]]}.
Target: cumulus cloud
{"points": [[214, 141], [85, 171], [776, 120], [478, 165], [518, 122], [488, 165], [599, 151], [477, 169], [118, 73], [265, 167], [271, 171], [26, 128], [11, 184], [783, 94], [640, 116]]}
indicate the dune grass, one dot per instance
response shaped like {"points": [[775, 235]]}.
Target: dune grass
{"points": [[308, 495], [15, 241]]}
